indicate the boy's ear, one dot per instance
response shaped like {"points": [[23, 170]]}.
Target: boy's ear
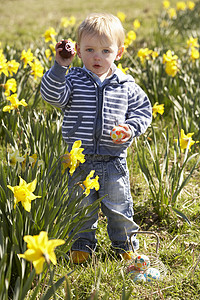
{"points": [[77, 47], [120, 52]]}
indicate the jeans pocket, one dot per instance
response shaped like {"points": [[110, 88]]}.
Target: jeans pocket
{"points": [[121, 166]]}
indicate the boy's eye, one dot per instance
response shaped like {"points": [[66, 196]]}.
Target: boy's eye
{"points": [[106, 51], [89, 50]]}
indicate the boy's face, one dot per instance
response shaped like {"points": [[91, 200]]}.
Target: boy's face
{"points": [[98, 54]]}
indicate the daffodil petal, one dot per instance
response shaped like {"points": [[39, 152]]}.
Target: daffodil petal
{"points": [[27, 205], [22, 181], [32, 254], [38, 265], [11, 188], [31, 241], [32, 185], [43, 238], [52, 257]]}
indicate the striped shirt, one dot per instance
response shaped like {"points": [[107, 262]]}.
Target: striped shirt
{"points": [[91, 110]]}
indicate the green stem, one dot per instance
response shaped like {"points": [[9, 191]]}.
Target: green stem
{"points": [[51, 279]]}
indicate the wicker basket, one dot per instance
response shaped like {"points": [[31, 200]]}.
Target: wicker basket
{"points": [[155, 262]]}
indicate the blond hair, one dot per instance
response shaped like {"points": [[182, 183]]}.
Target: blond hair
{"points": [[103, 25]]}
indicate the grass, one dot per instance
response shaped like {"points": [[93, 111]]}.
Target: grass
{"points": [[105, 275], [24, 21]]}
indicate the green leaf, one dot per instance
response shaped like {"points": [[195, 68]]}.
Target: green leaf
{"points": [[36, 290], [178, 190], [182, 215], [9, 135], [17, 290], [28, 284], [51, 290]]}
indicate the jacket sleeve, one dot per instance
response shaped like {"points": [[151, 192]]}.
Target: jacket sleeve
{"points": [[55, 88], [139, 114]]}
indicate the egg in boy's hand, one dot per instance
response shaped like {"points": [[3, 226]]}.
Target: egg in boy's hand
{"points": [[67, 49], [117, 134]]}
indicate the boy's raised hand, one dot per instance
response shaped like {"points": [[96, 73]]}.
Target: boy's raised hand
{"points": [[65, 62]]}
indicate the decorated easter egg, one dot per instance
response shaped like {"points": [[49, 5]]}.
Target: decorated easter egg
{"points": [[133, 273], [142, 262], [139, 277], [152, 274], [67, 49], [116, 133], [131, 268]]}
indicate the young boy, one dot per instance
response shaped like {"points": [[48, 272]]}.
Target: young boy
{"points": [[94, 99]]}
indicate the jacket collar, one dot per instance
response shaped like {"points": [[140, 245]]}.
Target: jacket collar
{"points": [[117, 76]]}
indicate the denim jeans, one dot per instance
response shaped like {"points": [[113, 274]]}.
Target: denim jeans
{"points": [[117, 205]]}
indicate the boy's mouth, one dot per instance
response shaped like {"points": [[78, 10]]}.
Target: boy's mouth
{"points": [[96, 66]]}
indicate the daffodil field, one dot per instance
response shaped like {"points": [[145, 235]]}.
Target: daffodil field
{"points": [[37, 212]]}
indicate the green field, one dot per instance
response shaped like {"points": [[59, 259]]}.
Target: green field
{"points": [[164, 174], [26, 20]]}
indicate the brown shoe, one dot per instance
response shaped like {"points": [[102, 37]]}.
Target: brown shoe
{"points": [[78, 257], [129, 255]]}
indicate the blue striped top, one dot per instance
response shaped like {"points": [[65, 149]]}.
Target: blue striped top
{"points": [[92, 110]]}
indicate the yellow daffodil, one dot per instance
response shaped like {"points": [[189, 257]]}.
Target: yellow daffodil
{"points": [[27, 57], [186, 140], [50, 34], [157, 109], [36, 69], [154, 54], [32, 160], [193, 45], [121, 16], [124, 70], [24, 193], [168, 57], [145, 53], [72, 21], [136, 24], [15, 157], [10, 85], [181, 5], [3, 64], [172, 13], [192, 42], [194, 53], [166, 4], [48, 54], [52, 47], [15, 102], [171, 64], [13, 66], [190, 5], [130, 37], [65, 22], [91, 183], [73, 158], [40, 249], [171, 68], [127, 43]]}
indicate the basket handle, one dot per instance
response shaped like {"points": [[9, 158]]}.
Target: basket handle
{"points": [[146, 232]]}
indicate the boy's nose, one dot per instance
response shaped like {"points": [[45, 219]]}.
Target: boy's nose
{"points": [[97, 56]]}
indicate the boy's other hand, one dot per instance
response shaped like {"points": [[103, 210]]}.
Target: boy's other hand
{"points": [[125, 129]]}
